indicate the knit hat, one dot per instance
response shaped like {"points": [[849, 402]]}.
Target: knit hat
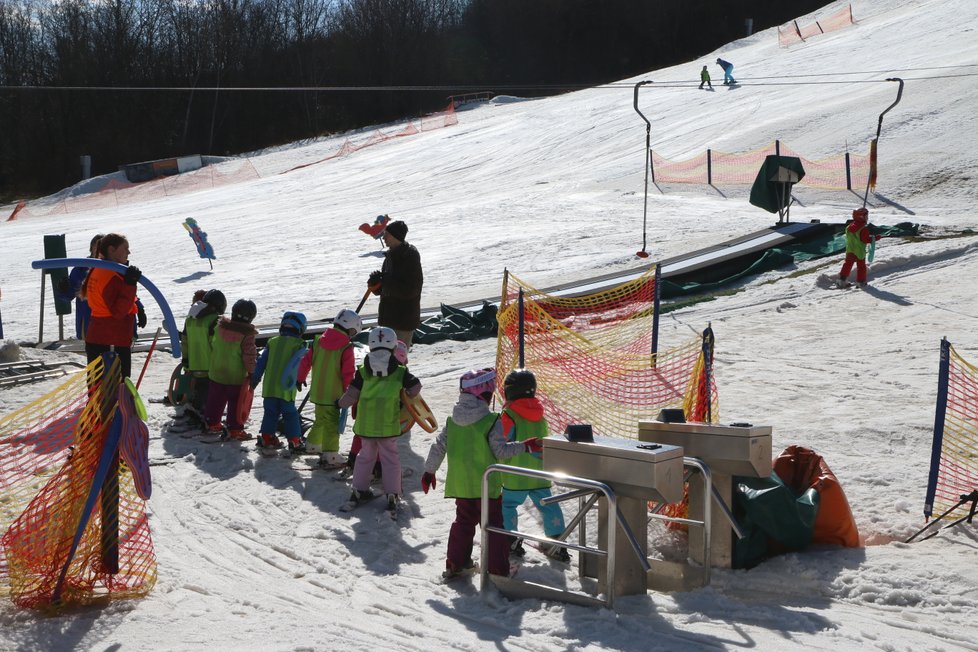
{"points": [[398, 230]]}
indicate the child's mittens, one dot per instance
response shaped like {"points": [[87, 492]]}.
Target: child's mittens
{"points": [[428, 481], [533, 445]]}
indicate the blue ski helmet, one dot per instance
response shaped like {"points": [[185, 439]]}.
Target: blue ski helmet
{"points": [[293, 323]]}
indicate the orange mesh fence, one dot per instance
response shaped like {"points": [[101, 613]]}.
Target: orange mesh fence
{"points": [[118, 192], [843, 172], [791, 33], [954, 455], [592, 357], [693, 170], [49, 453]]}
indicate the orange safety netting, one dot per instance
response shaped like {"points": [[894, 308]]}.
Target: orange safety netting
{"points": [[954, 457], [117, 192], [721, 168], [790, 33], [592, 357], [49, 453]]}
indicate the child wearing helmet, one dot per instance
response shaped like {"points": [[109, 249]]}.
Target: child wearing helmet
{"points": [[277, 370], [233, 356], [195, 341], [376, 389], [523, 421], [472, 439], [857, 237], [331, 361]]}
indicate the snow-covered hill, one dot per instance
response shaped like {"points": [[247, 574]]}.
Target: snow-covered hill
{"points": [[254, 555]]}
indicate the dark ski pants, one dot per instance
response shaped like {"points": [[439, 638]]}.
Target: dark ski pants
{"points": [[468, 514], [220, 396], [93, 351]]}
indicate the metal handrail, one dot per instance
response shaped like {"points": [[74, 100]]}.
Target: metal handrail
{"points": [[562, 479], [709, 494]]}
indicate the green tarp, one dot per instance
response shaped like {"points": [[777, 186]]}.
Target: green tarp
{"points": [[770, 190], [774, 519]]}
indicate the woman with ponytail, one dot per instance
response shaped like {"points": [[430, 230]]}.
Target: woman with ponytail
{"points": [[112, 299]]}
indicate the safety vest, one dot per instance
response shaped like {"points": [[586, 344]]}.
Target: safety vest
{"points": [[854, 244], [379, 405], [198, 330], [281, 350], [327, 378], [98, 278], [468, 456], [227, 363], [526, 430]]}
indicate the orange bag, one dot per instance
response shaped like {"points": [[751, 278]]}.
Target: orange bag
{"points": [[802, 468]]}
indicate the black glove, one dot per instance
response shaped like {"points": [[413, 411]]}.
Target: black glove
{"points": [[140, 315], [63, 287], [376, 277], [132, 275], [300, 385]]}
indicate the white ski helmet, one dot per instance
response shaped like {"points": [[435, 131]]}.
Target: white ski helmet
{"points": [[382, 337], [348, 320]]}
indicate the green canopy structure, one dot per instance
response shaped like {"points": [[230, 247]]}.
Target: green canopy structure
{"points": [[772, 187]]}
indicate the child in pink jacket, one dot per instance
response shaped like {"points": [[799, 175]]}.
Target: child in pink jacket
{"points": [[332, 363]]}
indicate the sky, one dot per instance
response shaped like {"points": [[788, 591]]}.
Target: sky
{"points": [[254, 553]]}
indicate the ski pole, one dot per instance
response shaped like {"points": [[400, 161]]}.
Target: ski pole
{"points": [[366, 295], [152, 347]]}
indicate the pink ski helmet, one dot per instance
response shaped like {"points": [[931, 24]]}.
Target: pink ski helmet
{"points": [[401, 352], [479, 382]]}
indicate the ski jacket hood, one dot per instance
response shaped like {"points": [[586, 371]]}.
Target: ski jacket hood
{"points": [[333, 339], [234, 331], [469, 409], [530, 409]]}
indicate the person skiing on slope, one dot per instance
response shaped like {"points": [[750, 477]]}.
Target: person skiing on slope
{"points": [[857, 237], [727, 72], [705, 78]]}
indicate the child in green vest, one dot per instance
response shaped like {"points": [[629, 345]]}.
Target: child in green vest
{"points": [[279, 365], [523, 420], [376, 389], [195, 341], [472, 439], [333, 367], [233, 356], [857, 237]]}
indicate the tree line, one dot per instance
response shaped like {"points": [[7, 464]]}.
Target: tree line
{"points": [[119, 79]]}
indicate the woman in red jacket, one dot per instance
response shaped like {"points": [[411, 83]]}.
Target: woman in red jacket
{"points": [[112, 299]]}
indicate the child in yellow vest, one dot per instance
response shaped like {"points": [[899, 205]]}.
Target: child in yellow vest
{"points": [[472, 439], [333, 367], [233, 356], [376, 389], [277, 370], [523, 420], [198, 329]]}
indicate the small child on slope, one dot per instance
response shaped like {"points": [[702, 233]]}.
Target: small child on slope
{"points": [[233, 356], [333, 366], [472, 439], [376, 389]]}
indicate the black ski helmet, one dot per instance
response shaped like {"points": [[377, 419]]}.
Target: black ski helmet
{"points": [[215, 299], [244, 310], [519, 383]]}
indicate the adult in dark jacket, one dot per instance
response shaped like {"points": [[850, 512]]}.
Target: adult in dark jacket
{"points": [[399, 283]]}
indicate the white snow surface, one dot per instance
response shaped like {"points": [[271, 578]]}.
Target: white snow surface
{"points": [[254, 555]]}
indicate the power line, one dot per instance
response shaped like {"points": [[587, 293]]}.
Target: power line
{"points": [[793, 80]]}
